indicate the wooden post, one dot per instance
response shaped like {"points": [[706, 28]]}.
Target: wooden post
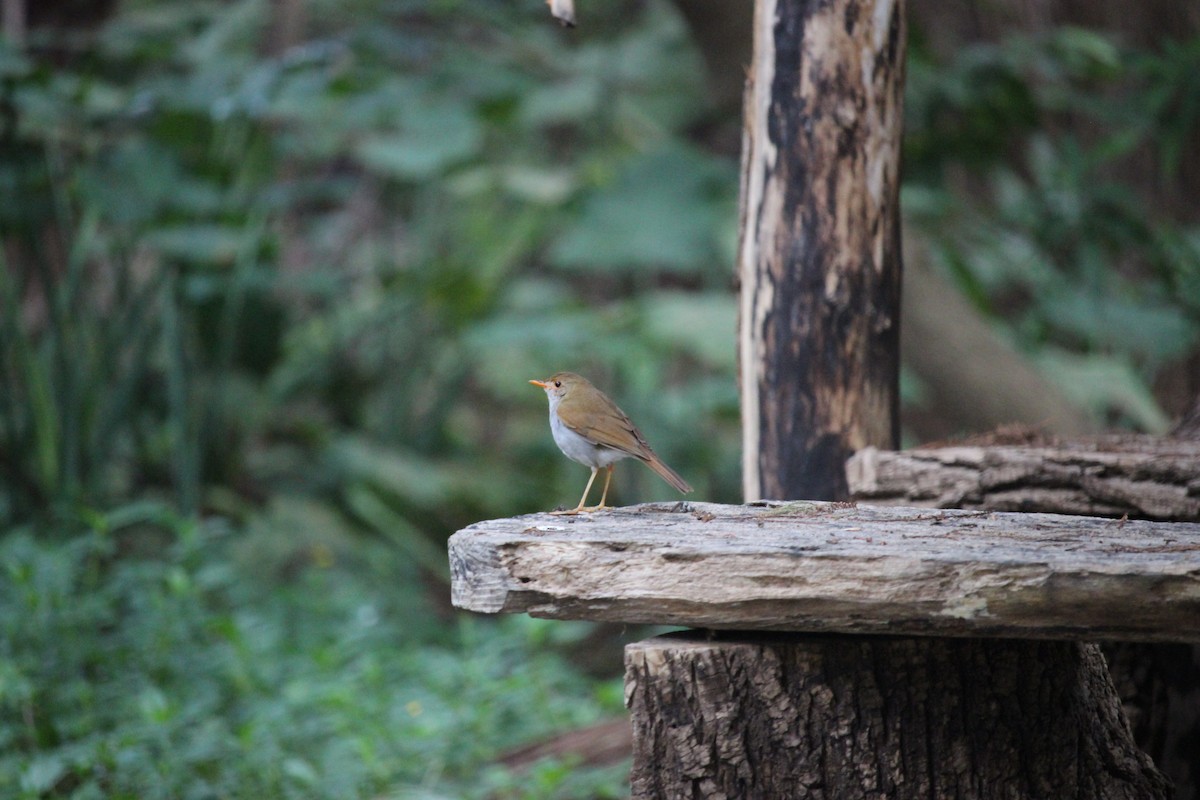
{"points": [[834, 567], [1142, 477], [819, 260], [1126, 476]]}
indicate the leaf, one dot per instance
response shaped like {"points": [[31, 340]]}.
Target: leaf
{"points": [[13, 63], [663, 210], [42, 774], [369, 507], [529, 183], [433, 135], [404, 475], [703, 325], [301, 771], [1106, 385], [199, 243], [1142, 327]]}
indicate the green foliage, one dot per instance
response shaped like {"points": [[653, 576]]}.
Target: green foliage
{"points": [[347, 243], [1050, 240], [278, 351], [166, 658]]}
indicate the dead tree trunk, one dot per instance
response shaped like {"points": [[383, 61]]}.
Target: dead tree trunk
{"points": [[819, 259], [955, 719]]}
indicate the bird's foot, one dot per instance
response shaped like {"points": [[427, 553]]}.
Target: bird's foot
{"points": [[581, 509], [568, 512]]}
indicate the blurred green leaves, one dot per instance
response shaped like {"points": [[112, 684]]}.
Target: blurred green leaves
{"points": [[278, 350], [435, 133], [281, 663], [352, 232], [664, 210], [1052, 241]]}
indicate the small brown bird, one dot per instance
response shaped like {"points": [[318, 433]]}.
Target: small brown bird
{"points": [[590, 429]]}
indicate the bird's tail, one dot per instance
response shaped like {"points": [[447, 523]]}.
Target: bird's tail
{"points": [[669, 475]]}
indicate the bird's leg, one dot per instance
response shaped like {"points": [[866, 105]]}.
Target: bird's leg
{"points": [[604, 495], [586, 489]]}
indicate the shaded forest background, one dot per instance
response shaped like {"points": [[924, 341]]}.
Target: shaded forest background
{"points": [[274, 276]]}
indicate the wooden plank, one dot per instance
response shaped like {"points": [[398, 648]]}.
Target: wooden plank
{"points": [[1143, 476], [811, 566]]}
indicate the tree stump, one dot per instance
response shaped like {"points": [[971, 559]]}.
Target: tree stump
{"points": [[795, 716]]}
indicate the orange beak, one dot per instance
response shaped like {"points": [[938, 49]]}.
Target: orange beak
{"points": [[542, 384]]}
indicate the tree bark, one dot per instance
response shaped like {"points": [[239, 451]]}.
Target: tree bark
{"points": [[861, 718], [1144, 477], [1159, 687], [819, 258], [1188, 426]]}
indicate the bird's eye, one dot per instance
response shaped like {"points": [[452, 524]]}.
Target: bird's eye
{"points": [[558, 384]]}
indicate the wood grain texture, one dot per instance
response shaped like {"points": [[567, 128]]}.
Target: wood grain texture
{"points": [[1143, 476], [868, 718], [833, 567]]}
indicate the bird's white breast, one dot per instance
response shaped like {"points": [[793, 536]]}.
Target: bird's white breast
{"points": [[577, 447]]}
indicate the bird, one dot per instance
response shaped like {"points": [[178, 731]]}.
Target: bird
{"points": [[589, 428]]}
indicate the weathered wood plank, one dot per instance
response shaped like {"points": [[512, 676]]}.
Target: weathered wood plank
{"points": [[1142, 476], [834, 567]]}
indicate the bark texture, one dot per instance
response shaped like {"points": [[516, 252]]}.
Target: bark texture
{"points": [[1146, 477], [852, 718], [819, 259], [1159, 687], [835, 567]]}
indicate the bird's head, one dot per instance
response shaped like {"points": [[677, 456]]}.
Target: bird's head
{"points": [[560, 384]]}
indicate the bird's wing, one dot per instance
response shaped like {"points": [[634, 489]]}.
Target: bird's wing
{"points": [[613, 429]]}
